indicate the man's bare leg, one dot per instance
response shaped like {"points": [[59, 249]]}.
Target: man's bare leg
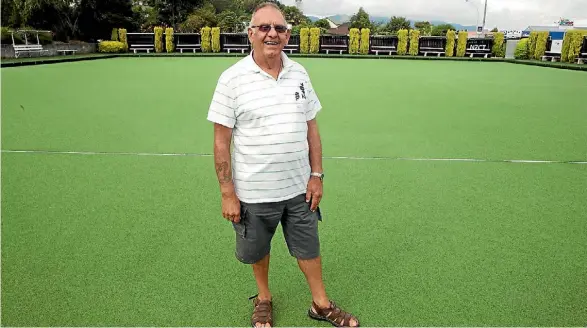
{"points": [[312, 269], [261, 272]]}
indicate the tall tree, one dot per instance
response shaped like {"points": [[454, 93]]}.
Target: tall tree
{"points": [[361, 20], [424, 27], [228, 21], [322, 23], [201, 17], [398, 23], [294, 16], [440, 30]]}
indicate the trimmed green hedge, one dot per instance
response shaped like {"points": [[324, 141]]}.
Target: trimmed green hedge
{"points": [[354, 41], [532, 44], [541, 41], [462, 44], [305, 40], [365, 36], [572, 45], [498, 49], [215, 39], [414, 42], [206, 37], [450, 43], [314, 40], [522, 49], [114, 36], [122, 38], [402, 43]]}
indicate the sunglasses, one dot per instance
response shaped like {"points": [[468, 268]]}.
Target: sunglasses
{"points": [[267, 28]]}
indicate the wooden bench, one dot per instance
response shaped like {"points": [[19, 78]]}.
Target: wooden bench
{"points": [[141, 47], [582, 59], [236, 47], [334, 47], [431, 50], [192, 47], [65, 51], [27, 48], [377, 49]]}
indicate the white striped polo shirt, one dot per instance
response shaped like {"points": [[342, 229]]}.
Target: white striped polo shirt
{"points": [[270, 153]]}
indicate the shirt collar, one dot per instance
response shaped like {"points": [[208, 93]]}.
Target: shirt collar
{"points": [[287, 63]]}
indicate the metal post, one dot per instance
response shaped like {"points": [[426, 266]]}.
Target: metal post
{"points": [[484, 17]]}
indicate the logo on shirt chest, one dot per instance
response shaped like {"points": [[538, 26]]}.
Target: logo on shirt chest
{"points": [[303, 90]]}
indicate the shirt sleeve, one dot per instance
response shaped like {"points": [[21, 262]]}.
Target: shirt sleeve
{"points": [[313, 105], [222, 108]]}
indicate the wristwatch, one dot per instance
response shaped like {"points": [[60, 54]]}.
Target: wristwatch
{"points": [[319, 175]]}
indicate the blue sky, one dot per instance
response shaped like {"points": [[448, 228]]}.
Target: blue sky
{"points": [[505, 14]]}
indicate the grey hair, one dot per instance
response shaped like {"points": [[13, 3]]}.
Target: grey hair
{"points": [[269, 4]]}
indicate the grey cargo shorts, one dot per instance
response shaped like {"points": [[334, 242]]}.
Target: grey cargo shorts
{"points": [[259, 222]]}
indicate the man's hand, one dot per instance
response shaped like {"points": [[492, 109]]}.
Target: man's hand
{"points": [[314, 192], [231, 208]]}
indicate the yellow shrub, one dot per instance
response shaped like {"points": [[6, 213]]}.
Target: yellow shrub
{"points": [[314, 40], [414, 42], [450, 43], [122, 38], [158, 38], [111, 46], [402, 42], [365, 35], [462, 44], [114, 36], [169, 46], [206, 39], [305, 40], [354, 41], [216, 39]]}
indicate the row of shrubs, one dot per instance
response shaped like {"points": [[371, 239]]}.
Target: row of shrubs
{"points": [[408, 42], [534, 47]]}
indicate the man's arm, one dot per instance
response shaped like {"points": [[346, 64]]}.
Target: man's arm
{"points": [[231, 209], [314, 192], [315, 145], [222, 139]]}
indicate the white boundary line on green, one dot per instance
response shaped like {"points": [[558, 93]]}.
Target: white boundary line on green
{"points": [[93, 153]]}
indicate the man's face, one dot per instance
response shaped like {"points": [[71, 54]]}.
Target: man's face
{"points": [[269, 37]]}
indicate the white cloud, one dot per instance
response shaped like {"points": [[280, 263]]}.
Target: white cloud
{"points": [[505, 14]]}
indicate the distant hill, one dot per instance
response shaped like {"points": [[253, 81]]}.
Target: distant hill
{"points": [[339, 19]]}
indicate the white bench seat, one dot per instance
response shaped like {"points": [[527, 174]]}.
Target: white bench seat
{"points": [[431, 50], [65, 51], [139, 47], [334, 47], [384, 49], [192, 47]]}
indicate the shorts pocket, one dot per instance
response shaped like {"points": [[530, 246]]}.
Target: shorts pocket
{"points": [[240, 228]]}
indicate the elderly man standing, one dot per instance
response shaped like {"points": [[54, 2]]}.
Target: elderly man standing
{"points": [[266, 105]]}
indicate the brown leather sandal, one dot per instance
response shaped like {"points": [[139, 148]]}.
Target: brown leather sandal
{"points": [[262, 313], [333, 314]]}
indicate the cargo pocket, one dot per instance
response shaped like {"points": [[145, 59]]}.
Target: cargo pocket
{"points": [[240, 227]]}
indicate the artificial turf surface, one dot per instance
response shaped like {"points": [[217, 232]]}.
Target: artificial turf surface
{"points": [[126, 240]]}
